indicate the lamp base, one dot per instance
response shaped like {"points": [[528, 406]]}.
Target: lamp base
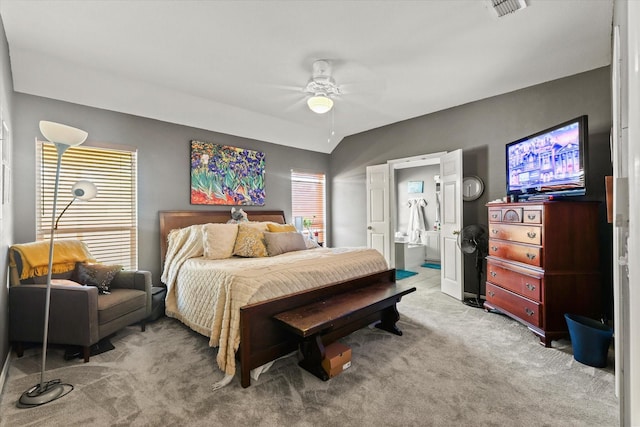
{"points": [[41, 394]]}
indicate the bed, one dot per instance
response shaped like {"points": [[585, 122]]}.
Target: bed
{"points": [[259, 339]]}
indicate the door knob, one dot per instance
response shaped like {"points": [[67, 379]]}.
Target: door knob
{"points": [[456, 232], [369, 228]]}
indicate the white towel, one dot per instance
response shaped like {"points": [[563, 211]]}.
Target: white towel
{"points": [[417, 221]]}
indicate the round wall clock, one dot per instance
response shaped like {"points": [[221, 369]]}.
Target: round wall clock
{"points": [[472, 188]]}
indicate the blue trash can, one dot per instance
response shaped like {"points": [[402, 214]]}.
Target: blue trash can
{"points": [[590, 340]]}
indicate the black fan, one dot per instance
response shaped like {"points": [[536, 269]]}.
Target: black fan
{"points": [[473, 240]]}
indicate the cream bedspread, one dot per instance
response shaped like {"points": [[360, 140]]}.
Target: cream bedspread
{"points": [[206, 295]]}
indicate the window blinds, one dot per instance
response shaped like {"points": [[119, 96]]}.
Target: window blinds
{"points": [[308, 199], [107, 223]]}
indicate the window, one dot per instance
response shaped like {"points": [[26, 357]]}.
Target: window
{"points": [[107, 223], [308, 200]]}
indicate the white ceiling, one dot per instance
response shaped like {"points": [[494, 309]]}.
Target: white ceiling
{"points": [[237, 67]]}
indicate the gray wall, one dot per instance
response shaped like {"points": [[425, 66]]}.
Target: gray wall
{"points": [[163, 165], [6, 221], [481, 129]]}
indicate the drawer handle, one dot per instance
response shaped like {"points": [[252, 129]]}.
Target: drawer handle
{"points": [[494, 248], [528, 311], [531, 234], [531, 256], [530, 287], [493, 274], [494, 216], [494, 231], [531, 216], [491, 294]]}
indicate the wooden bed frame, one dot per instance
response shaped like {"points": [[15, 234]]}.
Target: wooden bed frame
{"points": [[262, 338]]}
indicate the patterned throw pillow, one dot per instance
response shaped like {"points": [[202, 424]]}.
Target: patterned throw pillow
{"points": [[282, 242], [219, 240], [250, 242], [98, 275]]}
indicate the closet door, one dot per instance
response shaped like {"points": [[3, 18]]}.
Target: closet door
{"points": [[451, 206], [378, 232]]}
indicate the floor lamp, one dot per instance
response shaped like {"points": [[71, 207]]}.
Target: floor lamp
{"points": [[62, 137]]}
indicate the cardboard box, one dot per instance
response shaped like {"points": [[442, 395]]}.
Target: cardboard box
{"points": [[337, 358]]}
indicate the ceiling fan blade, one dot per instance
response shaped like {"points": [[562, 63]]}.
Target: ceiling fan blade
{"points": [[296, 104], [290, 88]]}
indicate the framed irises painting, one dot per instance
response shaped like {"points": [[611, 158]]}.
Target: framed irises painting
{"points": [[225, 175]]}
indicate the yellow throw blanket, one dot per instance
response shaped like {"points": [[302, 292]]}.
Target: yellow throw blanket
{"points": [[35, 257]]}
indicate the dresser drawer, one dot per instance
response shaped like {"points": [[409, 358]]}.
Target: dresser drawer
{"points": [[521, 307], [532, 216], [517, 233], [512, 214], [495, 215], [514, 281], [531, 255]]}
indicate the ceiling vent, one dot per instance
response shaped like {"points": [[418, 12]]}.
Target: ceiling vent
{"points": [[505, 7]]}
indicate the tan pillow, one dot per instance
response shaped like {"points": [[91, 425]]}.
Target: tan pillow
{"points": [[65, 282], [250, 241], [282, 242], [219, 240], [260, 225], [280, 228]]}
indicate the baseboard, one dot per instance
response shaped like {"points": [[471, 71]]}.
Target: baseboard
{"points": [[5, 369]]}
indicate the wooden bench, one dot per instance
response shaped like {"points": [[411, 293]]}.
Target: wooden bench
{"points": [[324, 321]]}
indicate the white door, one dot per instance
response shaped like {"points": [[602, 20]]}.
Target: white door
{"points": [[378, 232], [451, 223]]}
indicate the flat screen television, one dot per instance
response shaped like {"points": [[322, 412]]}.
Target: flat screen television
{"points": [[551, 163]]}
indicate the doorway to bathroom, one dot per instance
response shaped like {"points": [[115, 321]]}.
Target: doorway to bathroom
{"points": [[382, 213]]}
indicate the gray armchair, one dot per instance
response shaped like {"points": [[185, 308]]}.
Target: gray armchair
{"points": [[78, 315]]}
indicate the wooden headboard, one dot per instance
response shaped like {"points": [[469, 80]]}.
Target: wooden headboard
{"points": [[171, 220]]}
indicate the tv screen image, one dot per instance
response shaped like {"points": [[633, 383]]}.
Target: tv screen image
{"points": [[551, 162]]}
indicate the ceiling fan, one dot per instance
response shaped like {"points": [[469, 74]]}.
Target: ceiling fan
{"points": [[322, 87], [352, 83]]}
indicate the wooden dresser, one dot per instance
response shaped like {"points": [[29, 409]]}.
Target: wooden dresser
{"points": [[543, 262]]}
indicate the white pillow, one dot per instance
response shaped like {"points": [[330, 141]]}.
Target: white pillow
{"points": [[309, 243], [219, 240]]}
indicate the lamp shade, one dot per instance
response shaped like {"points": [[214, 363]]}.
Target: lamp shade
{"points": [[320, 104], [62, 134], [84, 190]]}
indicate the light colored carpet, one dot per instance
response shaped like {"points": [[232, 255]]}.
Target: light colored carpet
{"points": [[455, 365]]}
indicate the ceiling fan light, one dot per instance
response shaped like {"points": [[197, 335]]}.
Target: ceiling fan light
{"points": [[320, 104]]}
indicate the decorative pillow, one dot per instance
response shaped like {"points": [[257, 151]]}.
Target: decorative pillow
{"points": [[260, 225], [282, 242], [280, 228], [219, 240], [98, 275], [250, 241], [65, 282]]}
